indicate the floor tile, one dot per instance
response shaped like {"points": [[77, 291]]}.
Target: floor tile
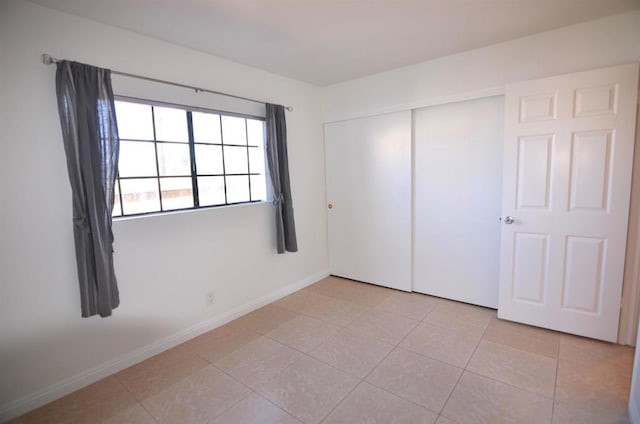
{"points": [[159, 372], [478, 399], [254, 409], [133, 415], [593, 375], [389, 328], [218, 343], [303, 333], [266, 319], [565, 414], [597, 386], [445, 420], [461, 316], [352, 352], [411, 305], [308, 389], [302, 300], [450, 345], [258, 362], [371, 405], [524, 337], [336, 311], [528, 371], [363, 294], [574, 348], [424, 381], [197, 399], [95, 403]]}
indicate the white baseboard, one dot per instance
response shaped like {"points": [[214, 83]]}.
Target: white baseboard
{"points": [[55, 391], [634, 412]]}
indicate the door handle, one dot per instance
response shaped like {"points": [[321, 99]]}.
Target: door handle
{"points": [[330, 205], [508, 219]]}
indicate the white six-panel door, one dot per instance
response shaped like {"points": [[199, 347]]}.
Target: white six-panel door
{"points": [[368, 164], [567, 166]]}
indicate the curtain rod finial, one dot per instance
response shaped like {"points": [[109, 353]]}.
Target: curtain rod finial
{"points": [[46, 59], [289, 108]]}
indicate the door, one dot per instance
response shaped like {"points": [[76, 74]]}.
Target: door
{"points": [[458, 195], [567, 174], [368, 163]]}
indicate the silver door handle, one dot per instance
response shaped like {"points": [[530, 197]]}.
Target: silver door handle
{"points": [[508, 220]]}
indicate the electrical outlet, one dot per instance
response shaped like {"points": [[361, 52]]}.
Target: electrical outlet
{"points": [[211, 298]]}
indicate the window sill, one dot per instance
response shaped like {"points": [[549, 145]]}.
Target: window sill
{"points": [[187, 211]]}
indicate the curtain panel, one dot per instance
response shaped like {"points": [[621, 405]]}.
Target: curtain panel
{"points": [[278, 162], [90, 136]]}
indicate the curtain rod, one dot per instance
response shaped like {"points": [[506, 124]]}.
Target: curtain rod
{"points": [[50, 60]]}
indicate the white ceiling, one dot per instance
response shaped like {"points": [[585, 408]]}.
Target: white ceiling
{"points": [[329, 41]]}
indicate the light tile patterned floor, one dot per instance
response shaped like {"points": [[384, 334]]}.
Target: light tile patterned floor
{"points": [[346, 352]]}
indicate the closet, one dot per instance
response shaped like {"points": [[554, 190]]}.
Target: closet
{"points": [[517, 202]]}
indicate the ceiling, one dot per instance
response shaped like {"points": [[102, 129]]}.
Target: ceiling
{"points": [[329, 41]]}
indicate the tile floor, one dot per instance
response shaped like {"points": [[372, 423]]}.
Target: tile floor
{"points": [[346, 352]]}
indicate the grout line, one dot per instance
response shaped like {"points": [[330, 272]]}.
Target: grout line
{"points": [[277, 406], [400, 397], [464, 369], [364, 379], [555, 382], [139, 402], [231, 406]]}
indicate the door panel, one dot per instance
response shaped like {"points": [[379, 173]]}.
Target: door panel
{"points": [[530, 265], [368, 163], [458, 181], [566, 181]]}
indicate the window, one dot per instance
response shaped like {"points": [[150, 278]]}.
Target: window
{"points": [[174, 158]]}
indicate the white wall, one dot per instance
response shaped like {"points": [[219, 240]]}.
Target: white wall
{"points": [[484, 72], [165, 264]]}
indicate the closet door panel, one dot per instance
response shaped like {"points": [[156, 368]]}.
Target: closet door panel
{"points": [[368, 163], [457, 189]]}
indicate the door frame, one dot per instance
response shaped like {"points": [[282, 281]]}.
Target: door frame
{"points": [[630, 302]]}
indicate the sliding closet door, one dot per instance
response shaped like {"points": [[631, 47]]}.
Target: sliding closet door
{"points": [[458, 181], [368, 164]]}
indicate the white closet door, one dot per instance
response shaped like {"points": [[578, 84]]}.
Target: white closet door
{"points": [[568, 156], [368, 163], [458, 184]]}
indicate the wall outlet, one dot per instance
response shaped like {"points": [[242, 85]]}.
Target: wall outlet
{"points": [[211, 298]]}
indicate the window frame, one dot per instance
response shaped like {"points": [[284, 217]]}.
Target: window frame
{"points": [[192, 143]]}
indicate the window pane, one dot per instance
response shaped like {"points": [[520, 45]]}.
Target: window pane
{"points": [[117, 210], [208, 159], [255, 132], [258, 187], [171, 124], [137, 159], [238, 189], [206, 127], [235, 160], [233, 130], [211, 191], [256, 160], [134, 121], [174, 159], [140, 195], [177, 193]]}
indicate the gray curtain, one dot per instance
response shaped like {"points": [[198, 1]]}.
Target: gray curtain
{"points": [[278, 162], [90, 136]]}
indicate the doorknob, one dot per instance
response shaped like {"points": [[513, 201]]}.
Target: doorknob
{"points": [[508, 220], [330, 205]]}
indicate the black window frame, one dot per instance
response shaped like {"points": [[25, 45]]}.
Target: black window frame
{"points": [[192, 157]]}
